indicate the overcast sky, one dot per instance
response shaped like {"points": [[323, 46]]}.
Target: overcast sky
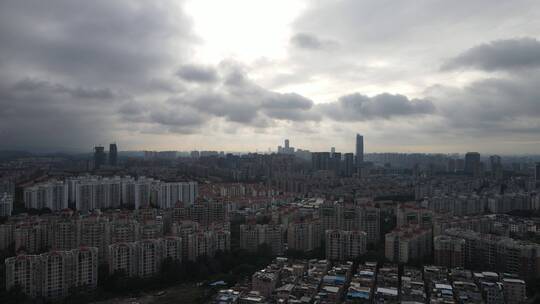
{"points": [[242, 75]]}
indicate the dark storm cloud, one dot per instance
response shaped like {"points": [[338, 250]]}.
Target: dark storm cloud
{"points": [[41, 115], [66, 67], [310, 41], [510, 54], [358, 107], [196, 73]]}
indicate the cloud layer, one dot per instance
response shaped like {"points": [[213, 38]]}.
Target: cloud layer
{"points": [[509, 54], [77, 74]]}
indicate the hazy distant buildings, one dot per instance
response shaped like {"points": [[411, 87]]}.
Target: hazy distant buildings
{"points": [[472, 163], [537, 172], [286, 149], [359, 150], [113, 155], [320, 161], [99, 157], [348, 164]]}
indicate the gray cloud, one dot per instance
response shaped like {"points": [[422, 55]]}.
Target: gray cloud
{"points": [[66, 67], [494, 106], [510, 54], [197, 73], [310, 41], [358, 107], [42, 115]]}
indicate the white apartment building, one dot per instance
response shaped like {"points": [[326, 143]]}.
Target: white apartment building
{"points": [[172, 193], [52, 194]]}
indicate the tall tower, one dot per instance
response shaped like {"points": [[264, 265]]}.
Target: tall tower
{"points": [[359, 150], [99, 157], [472, 163], [113, 154], [286, 144]]}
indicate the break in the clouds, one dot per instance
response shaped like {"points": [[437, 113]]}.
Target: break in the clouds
{"points": [[509, 54], [164, 75]]}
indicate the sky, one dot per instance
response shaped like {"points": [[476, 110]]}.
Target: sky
{"points": [[430, 76]]}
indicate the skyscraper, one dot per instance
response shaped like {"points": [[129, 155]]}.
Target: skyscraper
{"points": [[349, 164], [113, 155], [472, 163], [359, 150], [537, 172], [99, 157], [320, 160]]}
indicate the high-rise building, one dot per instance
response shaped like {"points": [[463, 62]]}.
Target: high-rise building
{"points": [[349, 164], [320, 161], [472, 163], [359, 150], [537, 172], [65, 232], [171, 194], [251, 236], [172, 248], [123, 257], [51, 275], [449, 251], [6, 204], [496, 166], [335, 163], [99, 157], [24, 271], [499, 253], [287, 149], [149, 254], [96, 232], [52, 194], [407, 243], [345, 245], [304, 236], [364, 217], [85, 267], [113, 155], [30, 236]]}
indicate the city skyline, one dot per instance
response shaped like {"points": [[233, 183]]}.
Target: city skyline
{"points": [[256, 72]]}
